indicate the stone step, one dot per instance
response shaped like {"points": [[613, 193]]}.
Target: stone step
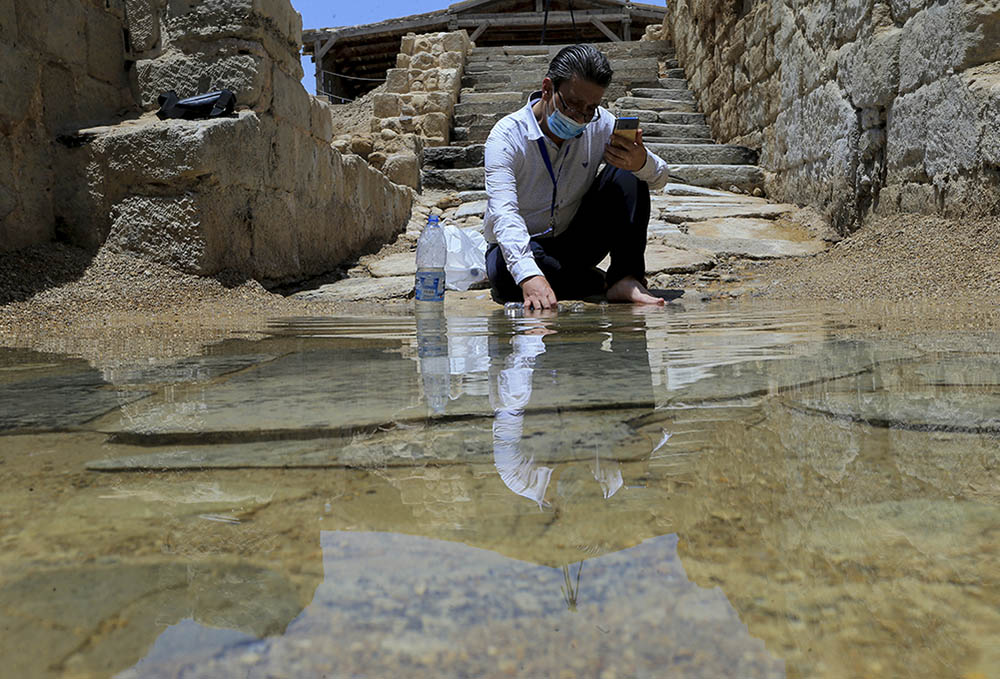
{"points": [[462, 119], [745, 177], [475, 134], [464, 179], [510, 64], [674, 73], [453, 157], [625, 49], [503, 97], [651, 129], [527, 85], [666, 103], [673, 83], [657, 93], [659, 139], [704, 154], [667, 117], [487, 108]]}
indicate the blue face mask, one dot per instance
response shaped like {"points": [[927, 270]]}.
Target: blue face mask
{"points": [[563, 126]]}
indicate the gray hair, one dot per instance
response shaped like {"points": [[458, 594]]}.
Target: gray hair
{"points": [[582, 61]]}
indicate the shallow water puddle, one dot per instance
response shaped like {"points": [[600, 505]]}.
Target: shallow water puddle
{"points": [[603, 492]]}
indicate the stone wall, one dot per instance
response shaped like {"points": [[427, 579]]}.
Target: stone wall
{"points": [[63, 65], [262, 194], [415, 106], [857, 107]]}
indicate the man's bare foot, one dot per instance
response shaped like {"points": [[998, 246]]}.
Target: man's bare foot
{"points": [[629, 289]]}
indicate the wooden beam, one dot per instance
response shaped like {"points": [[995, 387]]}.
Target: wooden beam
{"points": [[479, 31], [604, 29], [626, 26], [319, 68], [401, 26], [318, 56], [532, 19]]}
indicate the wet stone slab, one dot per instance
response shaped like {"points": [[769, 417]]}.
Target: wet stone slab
{"points": [[68, 399], [579, 438], [360, 289], [194, 369], [932, 411], [73, 617], [742, 247], [693, 212], [662, 258], [816, 364], [398, 264]]}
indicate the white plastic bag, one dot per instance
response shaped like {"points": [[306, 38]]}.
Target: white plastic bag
{"points": [[466, 263]]}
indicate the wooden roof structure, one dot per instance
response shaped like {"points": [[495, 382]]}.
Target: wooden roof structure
{"points": [[351, 60]]}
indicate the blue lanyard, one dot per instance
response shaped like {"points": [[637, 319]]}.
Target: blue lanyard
{"points": [[555, 182]]}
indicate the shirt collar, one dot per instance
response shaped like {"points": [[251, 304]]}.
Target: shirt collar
{"points": [[533, 130]]}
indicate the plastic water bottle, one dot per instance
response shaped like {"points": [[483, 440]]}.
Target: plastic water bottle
{"points": [[432, 350], [432, 334], [432, 255]]}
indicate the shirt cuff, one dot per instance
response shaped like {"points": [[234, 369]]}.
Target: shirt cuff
{"points": [[525, 268], [648, 171]]}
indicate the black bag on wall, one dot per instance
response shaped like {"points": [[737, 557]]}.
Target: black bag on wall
{"points": [[212, 105]]}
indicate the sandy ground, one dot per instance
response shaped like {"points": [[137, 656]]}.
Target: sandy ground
{"points": [[54, 298]]}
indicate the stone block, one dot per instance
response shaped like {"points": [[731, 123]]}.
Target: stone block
{"points": [[404, 169], [456, 41], [144, 26], [423, 61], [945, 38], [422, 43], [406, 45], [105, 47], [454, 60], [8, 21], [59, 98], [290, 100], [162, 229], [19, 80], [434, 126], [240, 66], [273, 24], [98, 102], [397, 80], [68, 32], [869, 70], [922, 127], [403, 60], [8, 196], [321, 119], [387, 105]]}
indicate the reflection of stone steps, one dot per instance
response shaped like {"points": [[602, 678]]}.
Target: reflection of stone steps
{"points": [[648, 84]]}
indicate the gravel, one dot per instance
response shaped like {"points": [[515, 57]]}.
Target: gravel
{"points": [[895, 258]]}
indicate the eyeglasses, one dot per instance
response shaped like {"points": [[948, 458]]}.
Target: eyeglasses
{"points": [[590, 115]]}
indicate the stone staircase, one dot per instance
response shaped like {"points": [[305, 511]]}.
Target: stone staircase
{"points": [[648, 84]]}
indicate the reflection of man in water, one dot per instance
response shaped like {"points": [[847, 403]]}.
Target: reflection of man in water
{"points": [[512, 392]]}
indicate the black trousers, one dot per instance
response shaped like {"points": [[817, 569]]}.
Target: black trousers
{"points": [[613, 218]]}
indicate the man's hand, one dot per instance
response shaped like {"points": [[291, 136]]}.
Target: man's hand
{"points": [[623, 153], [538, 293]]}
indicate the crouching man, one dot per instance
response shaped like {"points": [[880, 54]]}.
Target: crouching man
{"points": [[551, 217]]}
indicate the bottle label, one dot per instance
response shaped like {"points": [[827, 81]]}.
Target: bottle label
{"points": [[429, 285]]}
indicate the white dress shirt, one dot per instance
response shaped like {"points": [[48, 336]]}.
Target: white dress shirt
{"points": [[519, 186]]}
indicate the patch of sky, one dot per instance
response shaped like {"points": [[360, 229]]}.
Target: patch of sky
{"points": [[330, 13]]}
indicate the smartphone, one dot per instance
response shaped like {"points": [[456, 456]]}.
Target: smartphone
{"points": [[626, 127]]}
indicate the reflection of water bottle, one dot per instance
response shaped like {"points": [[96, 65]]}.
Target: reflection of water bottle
{"points": [[432, 349], [432, 255]]}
